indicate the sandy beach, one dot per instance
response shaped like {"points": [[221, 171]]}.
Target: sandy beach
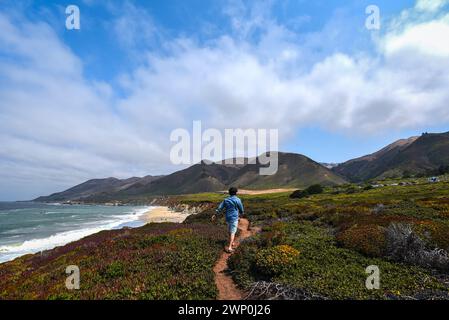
{"points": [[163, 214]]}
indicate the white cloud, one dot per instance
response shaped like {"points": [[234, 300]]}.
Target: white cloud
{"points": [[236, 83], [430, 5], [427, 38], [133, 27], [55, 125]]}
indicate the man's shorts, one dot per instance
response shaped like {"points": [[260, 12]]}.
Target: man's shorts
{"points": [[232, 226]]}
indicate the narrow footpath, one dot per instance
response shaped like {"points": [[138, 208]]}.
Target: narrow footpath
{"points": [[227, 289]]}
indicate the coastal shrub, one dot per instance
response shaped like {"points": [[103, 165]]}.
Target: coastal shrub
{"points": [[379, 208], [439, 206], [150, 241], [367, 239], [275, 234], [327, 269], [437, 233], [276, 259], [263, 290], [324, 270], [242, 263], [403, 244], [182, 232], [156, 261], [114, 270], [202, 217], [351, 190]]}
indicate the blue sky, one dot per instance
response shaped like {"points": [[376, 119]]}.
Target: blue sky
{"points": [[105, 57], [101, 101]]}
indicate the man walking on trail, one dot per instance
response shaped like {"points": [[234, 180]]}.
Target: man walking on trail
{"points": [[233, 206]]}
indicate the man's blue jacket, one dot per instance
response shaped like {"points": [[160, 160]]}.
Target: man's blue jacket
{"points": [[233, 205]]}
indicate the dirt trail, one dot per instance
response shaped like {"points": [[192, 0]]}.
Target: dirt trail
{"points": [[227, 290]]}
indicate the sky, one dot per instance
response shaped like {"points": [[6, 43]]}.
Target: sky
{"points": [[102, 101]]}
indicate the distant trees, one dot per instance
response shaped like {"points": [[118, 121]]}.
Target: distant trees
{"points": [[443, 169], [298, 194], [313, 189], [406, 174]]}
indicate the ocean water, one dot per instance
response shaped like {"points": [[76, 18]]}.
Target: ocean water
{"points": [[27, 227]]}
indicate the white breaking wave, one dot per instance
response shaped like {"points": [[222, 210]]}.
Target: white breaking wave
{"points": [[10, 252]]}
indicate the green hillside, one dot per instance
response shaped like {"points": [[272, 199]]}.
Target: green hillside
{"points": [[416, 156]]}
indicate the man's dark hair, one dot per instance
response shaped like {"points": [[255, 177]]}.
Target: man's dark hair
{"points": [[233, 191]]}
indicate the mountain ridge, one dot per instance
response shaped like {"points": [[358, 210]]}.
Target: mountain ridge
{"points": [[416, 155], [413, 156], [94, 186], [294, 170]]}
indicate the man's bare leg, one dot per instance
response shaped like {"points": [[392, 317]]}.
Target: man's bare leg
{"points": [[231, 240]]}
